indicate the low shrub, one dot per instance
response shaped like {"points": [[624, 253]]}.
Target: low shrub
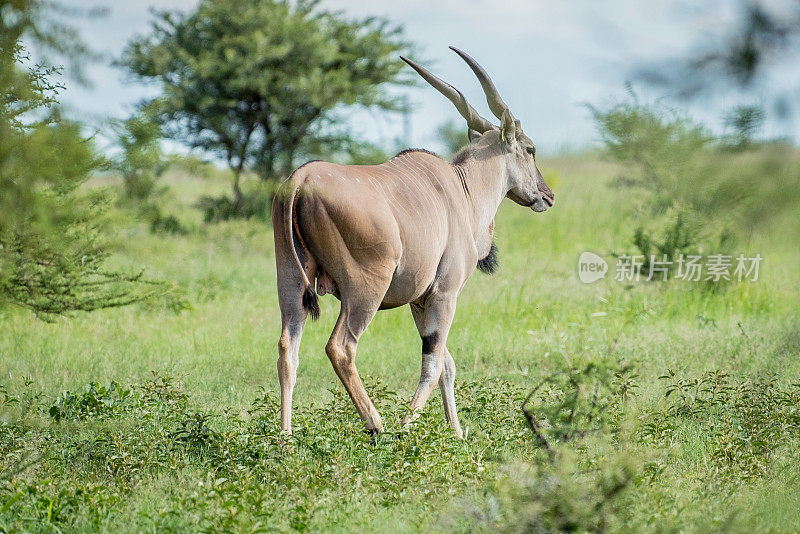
{"points": [[234, 469], [601, 462], [255, 204], [742, 422], [161, 223]]}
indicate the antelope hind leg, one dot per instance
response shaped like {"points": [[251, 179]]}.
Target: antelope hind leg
{"points": [[293, 319], [288, 360], [341, 349], [293, 314]]}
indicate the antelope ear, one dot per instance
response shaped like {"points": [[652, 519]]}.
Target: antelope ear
{"points": [[508, 128], [473, 134]]}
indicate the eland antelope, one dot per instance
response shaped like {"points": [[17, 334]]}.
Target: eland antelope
{"points": [[408, 231]]}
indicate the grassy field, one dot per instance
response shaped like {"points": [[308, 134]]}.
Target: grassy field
{"points": [[146, 418]]}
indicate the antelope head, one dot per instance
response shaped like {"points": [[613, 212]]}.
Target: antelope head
{"points": [[525, 184]]}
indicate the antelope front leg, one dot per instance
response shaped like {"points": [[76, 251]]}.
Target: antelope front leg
{"points": [[446, 385], [433, 323]]}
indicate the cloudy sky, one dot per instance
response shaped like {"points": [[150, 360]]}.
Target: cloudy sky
{"points": [[548, 59]]}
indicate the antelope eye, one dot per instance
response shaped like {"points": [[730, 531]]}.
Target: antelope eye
{"points": [[531, 150]]}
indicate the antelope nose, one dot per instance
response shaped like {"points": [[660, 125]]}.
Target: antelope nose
{"points": [[540, 205]]}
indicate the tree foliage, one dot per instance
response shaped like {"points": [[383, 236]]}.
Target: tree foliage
{"points": [[141, 161], [260, 83], [764, 32], [51, 252]]}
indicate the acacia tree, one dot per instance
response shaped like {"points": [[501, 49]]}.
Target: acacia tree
{"points": [[259, 82]]}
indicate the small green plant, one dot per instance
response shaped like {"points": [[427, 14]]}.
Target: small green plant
{"points": [[95, 401], [575, 402]]}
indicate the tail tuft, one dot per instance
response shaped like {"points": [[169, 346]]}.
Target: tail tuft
{"points": [[310, 303]]}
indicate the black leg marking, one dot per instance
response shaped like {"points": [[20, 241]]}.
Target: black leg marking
{"points": [[428, 342]]}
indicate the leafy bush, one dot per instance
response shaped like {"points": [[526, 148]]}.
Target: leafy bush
{"points": [[192, 165], [662, 148], [573, 492], [141, 161], [668, 236], [453, 136], [580, 485], [602, 452], [574, 402], [663, 153], [745, 121], [95, 401], [743, 421], [167, 224], [255, 203], [160, 223]]}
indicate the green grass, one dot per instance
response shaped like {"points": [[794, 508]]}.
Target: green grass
{"points": [[157, 459]]}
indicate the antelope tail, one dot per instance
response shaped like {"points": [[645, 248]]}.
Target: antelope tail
{"points": [[310, 302]]}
